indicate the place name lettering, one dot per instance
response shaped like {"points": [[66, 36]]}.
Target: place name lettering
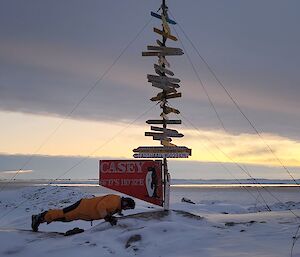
{"points": [[121, 167], [122, 182]]}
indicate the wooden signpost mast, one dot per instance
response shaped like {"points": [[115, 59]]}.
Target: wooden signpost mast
{"points": [[165, 81], [164, 101]]}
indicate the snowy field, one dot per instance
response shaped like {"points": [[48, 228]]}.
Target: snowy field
{"points": [[221, 222]]}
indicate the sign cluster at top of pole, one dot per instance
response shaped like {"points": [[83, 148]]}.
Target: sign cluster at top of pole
{"points": [[163, 80]]}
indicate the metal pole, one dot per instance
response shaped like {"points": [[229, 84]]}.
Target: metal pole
{"points": [[163, 6]]}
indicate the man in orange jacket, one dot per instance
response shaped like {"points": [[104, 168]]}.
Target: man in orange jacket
{"points": [[102, 207]]}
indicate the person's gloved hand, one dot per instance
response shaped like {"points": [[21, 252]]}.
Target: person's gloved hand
{"points": [[111, 219]]}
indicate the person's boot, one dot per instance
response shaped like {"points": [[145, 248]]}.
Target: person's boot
{"points": [[36, 220]]}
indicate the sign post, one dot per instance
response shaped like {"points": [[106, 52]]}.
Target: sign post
{"points": [[169, 86], [141, 178]]}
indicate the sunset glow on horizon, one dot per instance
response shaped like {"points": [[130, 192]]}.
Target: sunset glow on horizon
{"points": [[111, 139]]}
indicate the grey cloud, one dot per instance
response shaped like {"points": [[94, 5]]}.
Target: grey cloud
{"points": [[54, 52], [258, 151]]}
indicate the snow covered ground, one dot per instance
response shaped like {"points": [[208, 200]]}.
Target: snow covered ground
{"points": [[222, 222]]}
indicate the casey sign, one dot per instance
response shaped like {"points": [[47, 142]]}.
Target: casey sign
{"points": [[138, 178]]}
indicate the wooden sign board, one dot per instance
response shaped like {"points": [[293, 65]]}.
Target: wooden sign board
{"points": [[165, 24], [161, 137], [162, 122], [161, 97], [161, 155], [167, 92], [164, 85], [154, 128], [168, 110], [158, 16], [166, 142], [163, 150], [164, 134], [165, 49], [162, 33], [162, 79], [163, 82], [162, 60], [158, 72], [158, 53], [164, 70], [159, 42]]}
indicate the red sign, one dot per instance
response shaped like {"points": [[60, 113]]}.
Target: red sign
{"points": [[138, 178]]}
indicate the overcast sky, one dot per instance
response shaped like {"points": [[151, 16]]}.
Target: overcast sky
{"points": [[53, 52]]}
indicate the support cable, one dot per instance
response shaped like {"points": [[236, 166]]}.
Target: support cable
{"points": [[254, 182], [87, 157], [232, 175], [295, 238], [236, 103], [212, 104], [200, 81], [238, 165], [68, 115]]}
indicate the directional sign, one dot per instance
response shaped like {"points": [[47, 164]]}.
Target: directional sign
{"points": [[164, 70], [162, 122], [161, 53], [160, 96], [168, 110], [162, 50], [159, 42], [160, 32], [164, 134], [165, 24], [161, 155], [165, 49], [163, 86], [166, 142], [154, 128], [169, 96], [162, 152], [162, 79], [156, 15], [162, 60]]}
